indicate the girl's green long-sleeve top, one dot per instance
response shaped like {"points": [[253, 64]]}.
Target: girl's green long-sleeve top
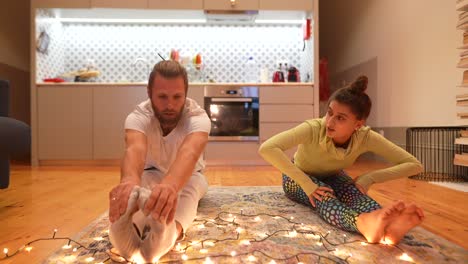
{"points": [[317, 155]]}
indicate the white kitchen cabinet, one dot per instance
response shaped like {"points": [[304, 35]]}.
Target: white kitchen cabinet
{"points": [[134, 4], [306, 5], [284, 107], [285, 113], [65, 119], [267, 130], [287, 95], [175, 4], [197, 93], [60, 4], [233, 153], [111, 106], [230, 5]]}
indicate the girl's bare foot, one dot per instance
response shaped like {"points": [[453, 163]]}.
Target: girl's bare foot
{"points": [[372, 225], [410, 217]]}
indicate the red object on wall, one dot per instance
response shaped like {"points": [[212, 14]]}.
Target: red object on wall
{"points": [[324, 81], [306, 28]]}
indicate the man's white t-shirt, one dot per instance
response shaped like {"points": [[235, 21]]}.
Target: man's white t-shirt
{"points": [[162, 150]]}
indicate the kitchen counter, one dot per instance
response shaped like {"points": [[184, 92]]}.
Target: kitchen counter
{"points": [[93, 114], [190, 84]]}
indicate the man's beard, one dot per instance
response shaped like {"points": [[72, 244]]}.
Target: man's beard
{"points": [[166, 121]]}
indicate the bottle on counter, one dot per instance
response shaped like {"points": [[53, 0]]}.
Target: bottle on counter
{"points": [[278, 76], [251, 71], [285, 71]]}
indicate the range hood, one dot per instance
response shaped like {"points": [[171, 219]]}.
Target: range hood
{"points": [[247, 16]]}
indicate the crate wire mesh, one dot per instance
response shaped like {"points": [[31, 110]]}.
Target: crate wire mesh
{"points": [[435, 148]]}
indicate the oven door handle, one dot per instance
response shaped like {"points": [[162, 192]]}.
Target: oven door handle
{"points": [[227, 100]]}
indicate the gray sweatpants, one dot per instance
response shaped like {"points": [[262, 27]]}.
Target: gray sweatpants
{"points": [[155, 239]]}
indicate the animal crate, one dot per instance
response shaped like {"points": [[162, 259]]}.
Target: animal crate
{"points": [[435, 148]]}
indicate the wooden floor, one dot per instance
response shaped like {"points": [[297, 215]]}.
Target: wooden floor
{"points": [[42, 199]]}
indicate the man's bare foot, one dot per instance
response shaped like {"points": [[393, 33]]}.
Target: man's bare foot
{"points": [[372, 225], [410, 217]]}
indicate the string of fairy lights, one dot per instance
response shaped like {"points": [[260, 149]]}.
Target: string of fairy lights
{"points": [[232, 221]]}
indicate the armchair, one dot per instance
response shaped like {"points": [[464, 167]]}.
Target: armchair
{"points": [[15, 136]]}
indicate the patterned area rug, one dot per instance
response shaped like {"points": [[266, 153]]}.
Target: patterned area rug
{"points": [[260, 225]]}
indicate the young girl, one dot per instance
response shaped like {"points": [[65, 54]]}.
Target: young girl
{"points": [[328, 145]]}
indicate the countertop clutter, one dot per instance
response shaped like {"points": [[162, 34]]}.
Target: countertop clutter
{"points": [[39, 84]]}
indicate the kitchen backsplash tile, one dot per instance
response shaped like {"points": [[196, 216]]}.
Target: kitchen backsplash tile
{"points": [[225, 48], [51, 63]]}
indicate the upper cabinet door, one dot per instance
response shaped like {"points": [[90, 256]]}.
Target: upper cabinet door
{"points": [[175, 4], [61, 4], [230, 4], [306, 5], [135, 4]]}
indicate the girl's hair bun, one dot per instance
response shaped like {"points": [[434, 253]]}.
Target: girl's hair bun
{"points": [[359, 85]]}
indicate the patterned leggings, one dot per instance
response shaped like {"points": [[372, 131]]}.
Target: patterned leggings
{"points": [[341, 211]]}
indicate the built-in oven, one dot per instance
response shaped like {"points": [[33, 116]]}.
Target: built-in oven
{"points": [[233, 111]]}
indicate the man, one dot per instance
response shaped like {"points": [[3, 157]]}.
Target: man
{"points": [[161, 175]]}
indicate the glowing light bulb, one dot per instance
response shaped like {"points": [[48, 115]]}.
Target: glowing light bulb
{"points": [[203, 250], [138, 258], [257, 219], [28, 249], [386, 241], [233, 253], [69, 259], [89, 259], [292, 217], [251, 258], [319, 243], [5, 251], [98, 238], [405, 257], [364, 243], [75, 249], [194, 242], [239, 230], [245, 242], [293, 233], [230, 215], [184, 257], [208, 261], [312, 236], [67, 247], [178, 247], [209, 244], [201, 226]]}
